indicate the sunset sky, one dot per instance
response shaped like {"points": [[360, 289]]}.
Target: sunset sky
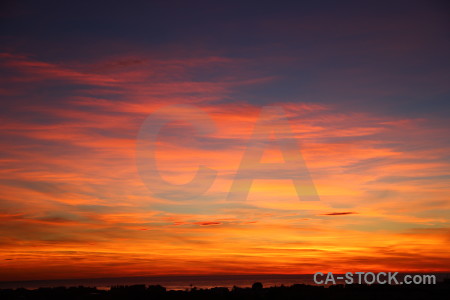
{"points": [[363, 84]]}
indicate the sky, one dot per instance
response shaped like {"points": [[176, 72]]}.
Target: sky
{"points": [[363, 87]]}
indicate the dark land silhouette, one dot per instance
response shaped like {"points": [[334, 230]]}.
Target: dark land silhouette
{"points": [[440, 290]]}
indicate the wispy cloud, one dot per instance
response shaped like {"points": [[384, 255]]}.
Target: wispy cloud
{"points": [[340, 213]]}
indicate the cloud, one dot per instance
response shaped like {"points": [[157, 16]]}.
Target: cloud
{"points": [[340, 213], [357, 101], [207, 223]]}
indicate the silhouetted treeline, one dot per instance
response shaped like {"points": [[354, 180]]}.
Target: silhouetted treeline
{"points": [[257, 291]]}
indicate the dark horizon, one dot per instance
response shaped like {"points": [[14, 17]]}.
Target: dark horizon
{"points": [[233, 279], [257, 291]]}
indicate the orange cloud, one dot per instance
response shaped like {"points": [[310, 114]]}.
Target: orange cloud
{"points": [[72, 203]]}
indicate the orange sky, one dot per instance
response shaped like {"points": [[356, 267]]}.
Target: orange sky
{"points": [[73, 204], [364, 89]]}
